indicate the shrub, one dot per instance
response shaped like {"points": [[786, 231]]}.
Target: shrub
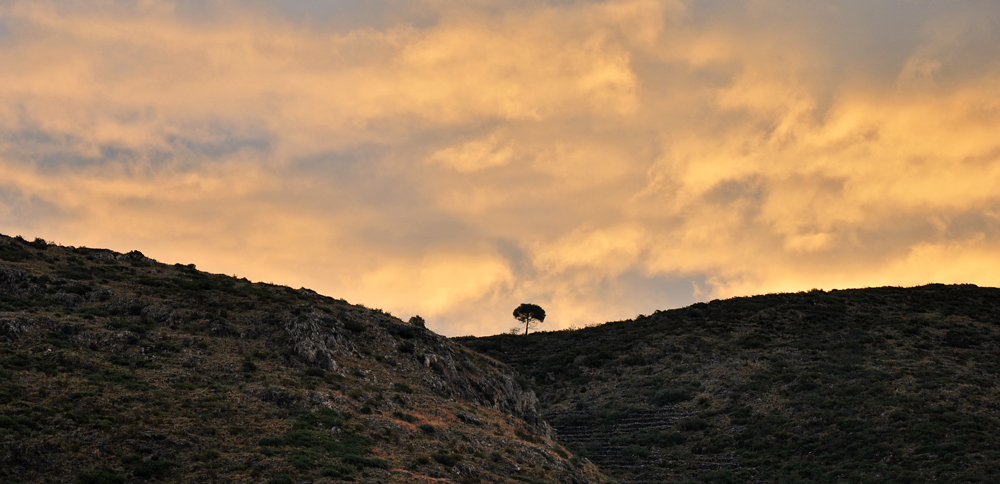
{"points": [[338, 471], [636, 451], [76, 273], [77, 288], [14, 253], [418, 322], [362, 462], [447, 459], [404, 416], [153, 468], [210, 454], [401, 331], [527, 437], [427, 428], [958, 338], [670, 396], [741, 416], [280, 479], [303, 459], [694, 424], [39, 243], [100, 477]]}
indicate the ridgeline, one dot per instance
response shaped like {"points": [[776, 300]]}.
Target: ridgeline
{"points": [[115, 368], [869, 385]]}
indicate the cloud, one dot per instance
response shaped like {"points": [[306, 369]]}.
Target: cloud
{"points": [[477, 154], [438, 282], [454, 159]]}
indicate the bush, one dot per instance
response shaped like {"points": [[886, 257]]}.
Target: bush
{"points": [[447, 459], [418, 322], [39, 243], [635, 451], [404, 416], [402, 331], [210, 454], [957, 338], [14, 253], [694, 424], [316, 372], [100, 477], [337, 471], [362, 462], [280, 479], [153, 468], [670, 396], [427, 428]]}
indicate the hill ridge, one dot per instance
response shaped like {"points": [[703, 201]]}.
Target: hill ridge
{"points": [[116, 368], [863, 385]]}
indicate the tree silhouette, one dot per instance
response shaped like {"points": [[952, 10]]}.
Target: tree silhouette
{"points": [[530, 314]]}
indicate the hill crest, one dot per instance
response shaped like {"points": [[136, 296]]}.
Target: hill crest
{"points": [[865, 385], [117, 368]]}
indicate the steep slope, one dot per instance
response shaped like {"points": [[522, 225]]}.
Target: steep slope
{"points": [[868, 385], [116, 368]]}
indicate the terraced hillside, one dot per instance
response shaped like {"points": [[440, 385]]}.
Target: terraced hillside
{"points": [[868, 385], [115, 368]]}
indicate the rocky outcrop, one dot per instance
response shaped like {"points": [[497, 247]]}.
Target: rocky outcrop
{"points": [[315, 338], [13, 280], [447, 368], [481, 380]]}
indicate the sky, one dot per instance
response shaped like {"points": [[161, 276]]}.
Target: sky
{"points": [[455, 158]]}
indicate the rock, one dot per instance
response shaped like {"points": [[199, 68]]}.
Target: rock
{"points": [[314, 338]]}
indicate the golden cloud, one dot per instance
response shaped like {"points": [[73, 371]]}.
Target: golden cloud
{"points": [[598, 158]]}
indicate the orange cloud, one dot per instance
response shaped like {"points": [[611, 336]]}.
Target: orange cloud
{"points": [[455, 159]]}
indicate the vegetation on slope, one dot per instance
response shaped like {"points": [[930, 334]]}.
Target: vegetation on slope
{"points": [[115, 368], [868, 385]]}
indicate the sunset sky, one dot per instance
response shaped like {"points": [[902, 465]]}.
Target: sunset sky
{"points": [[454, 159]]}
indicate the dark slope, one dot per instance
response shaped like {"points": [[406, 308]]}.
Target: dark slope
{"points": [[115, 368], [868, 385]]}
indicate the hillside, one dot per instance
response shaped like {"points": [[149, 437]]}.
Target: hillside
{"points": [[116, 368], [868, 385]]}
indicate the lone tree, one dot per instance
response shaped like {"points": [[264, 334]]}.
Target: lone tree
{"points": [[530, 314]]}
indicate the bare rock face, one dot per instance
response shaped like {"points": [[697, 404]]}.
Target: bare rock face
{"points": [[476, 378], [13, 328], [449, 369], [11, 279], [314, 338]]}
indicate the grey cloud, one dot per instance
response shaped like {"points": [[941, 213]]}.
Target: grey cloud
{"points": [[456, 158], [28, 214]]}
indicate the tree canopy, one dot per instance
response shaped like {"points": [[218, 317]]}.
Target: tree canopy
{"points": [[530, 315]]}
